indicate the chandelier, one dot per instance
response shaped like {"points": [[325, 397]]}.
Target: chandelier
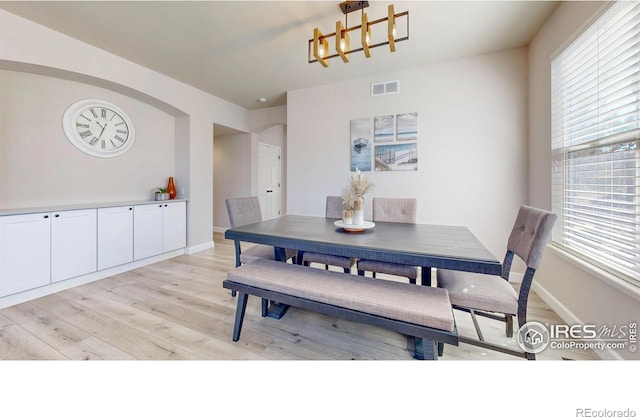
{"points": [[319, 51]]}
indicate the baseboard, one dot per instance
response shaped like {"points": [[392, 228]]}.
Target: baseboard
{"points": [[570, 318], [219, 229]]}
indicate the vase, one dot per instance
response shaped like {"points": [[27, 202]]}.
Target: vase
{"points": [[171, 188], [358, 211], [347, 216]]}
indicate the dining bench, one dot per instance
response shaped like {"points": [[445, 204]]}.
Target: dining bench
{"points": [[424, 313]]}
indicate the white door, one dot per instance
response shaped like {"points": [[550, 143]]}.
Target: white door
{"points": [[24, 252], [269, 171], [115, 236], [73, 243]]}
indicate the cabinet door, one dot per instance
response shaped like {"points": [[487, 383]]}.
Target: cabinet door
{"points": [[147, 230], [174, 226], [115, 236], [24, 252], [73, 243]]}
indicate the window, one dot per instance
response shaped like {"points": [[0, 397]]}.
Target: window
{"points": [[596, 143]]}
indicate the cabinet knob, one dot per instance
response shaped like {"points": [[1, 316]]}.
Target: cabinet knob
{"points": [[130, 208], [165, 205], [57, 215], [46, 216]]}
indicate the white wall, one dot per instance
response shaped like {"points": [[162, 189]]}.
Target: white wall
{"points": [[42, 168], [28, 47], [472, 147], [579, 293]]}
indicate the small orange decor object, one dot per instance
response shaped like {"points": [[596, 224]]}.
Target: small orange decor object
{"points": [[171, 189]]}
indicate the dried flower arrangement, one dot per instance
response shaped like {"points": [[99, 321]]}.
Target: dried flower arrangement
{"points": [[358, 186]]}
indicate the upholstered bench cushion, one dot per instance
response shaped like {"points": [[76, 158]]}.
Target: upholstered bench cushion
{"points": [[425, 306], [481, 292]]}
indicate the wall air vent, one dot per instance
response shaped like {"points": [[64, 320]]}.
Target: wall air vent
{"points": [[384, 88]]}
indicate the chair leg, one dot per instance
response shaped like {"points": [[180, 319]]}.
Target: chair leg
{"points": [[440, 349], [360, 272], [347, 270], [509, 326]]}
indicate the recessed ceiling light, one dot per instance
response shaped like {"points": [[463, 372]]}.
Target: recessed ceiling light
{"points": [[262, 100]]}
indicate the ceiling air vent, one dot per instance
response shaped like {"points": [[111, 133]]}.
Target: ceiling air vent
{"points": [[384, 88]]}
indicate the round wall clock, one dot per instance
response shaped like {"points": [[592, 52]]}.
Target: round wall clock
{"points": [[98, 128]]}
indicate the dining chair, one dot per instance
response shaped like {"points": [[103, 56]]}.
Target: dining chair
{"points": [[493, 296], [333, 210], [243, 211], [394, 210]]}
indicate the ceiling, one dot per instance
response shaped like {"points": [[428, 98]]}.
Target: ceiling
{"points": [[242, 50]]}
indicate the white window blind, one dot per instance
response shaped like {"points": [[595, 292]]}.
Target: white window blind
{"points": [[596, 145]]}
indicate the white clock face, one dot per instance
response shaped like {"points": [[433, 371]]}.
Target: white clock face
{"points": [[98, 128]]}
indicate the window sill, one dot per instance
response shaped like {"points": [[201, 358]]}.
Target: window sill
{"points": [[604, 276]]}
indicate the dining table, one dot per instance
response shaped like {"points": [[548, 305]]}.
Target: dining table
{"points": [[425, 245]]}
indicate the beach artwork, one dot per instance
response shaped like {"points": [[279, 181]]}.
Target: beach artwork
{"points": [[361, 146], [383, 128], [407, 126], [403, 157]]}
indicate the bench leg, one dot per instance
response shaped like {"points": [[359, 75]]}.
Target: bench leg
{"points": [[265, 307], [240, 309], [425, 349]]}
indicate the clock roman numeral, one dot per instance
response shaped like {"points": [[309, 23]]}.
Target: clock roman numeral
{"points": [[82, 115], [121, 123], [103, 113], [113, 144], [82, 125], [93, 112], [103, 145], [121, 131], [119, 138], [93, 141], [85, 133]]}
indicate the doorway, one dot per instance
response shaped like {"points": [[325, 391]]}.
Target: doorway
{"points": [[269, 180]]}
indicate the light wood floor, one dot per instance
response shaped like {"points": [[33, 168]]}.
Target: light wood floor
{"points": [[177, 309]]}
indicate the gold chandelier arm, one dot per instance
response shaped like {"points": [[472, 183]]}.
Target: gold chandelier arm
{"points": [[366, 35], [391, 28], [342, 41]]}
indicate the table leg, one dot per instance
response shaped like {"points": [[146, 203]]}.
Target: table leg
{"points": [[423, 348], [269, 308], [425, 275]]}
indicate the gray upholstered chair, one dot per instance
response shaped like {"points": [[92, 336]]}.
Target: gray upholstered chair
{"points": [[493, 296], [333, 210], [243, 211], [396, 210]]}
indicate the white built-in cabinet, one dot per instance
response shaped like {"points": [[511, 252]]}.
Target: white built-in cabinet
{"points": [[25, 252], [115, 236], [158, 228], [38, 249], [73, 243]]}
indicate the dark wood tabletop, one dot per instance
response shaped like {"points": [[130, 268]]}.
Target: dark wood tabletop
{"points": [[425, 245]]}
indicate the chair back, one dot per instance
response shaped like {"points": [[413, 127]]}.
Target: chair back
{"points": [[530, 234], [243, 210], [334, 207], [395, 210]]}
